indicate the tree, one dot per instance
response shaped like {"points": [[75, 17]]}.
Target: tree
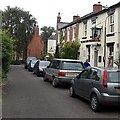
{"points": [[70, 50], [20, 24], [46, 33], [7, 50]]}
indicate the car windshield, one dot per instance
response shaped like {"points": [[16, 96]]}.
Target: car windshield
{"points": [[44, 63], [114, 76], [31, 58], [72, 65], [33, 61]]}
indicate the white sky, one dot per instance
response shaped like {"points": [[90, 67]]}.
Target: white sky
{"points": [[46, 11]]}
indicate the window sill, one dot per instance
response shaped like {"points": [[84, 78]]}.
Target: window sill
{"points": [[84, 37], [110, 34]]}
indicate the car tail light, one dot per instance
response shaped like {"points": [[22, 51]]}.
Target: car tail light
{"points": [[104, 79], [61, 74]]}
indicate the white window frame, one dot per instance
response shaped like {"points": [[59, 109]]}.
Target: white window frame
{"points": [[68, 34], [111, 23], [85, 29]]}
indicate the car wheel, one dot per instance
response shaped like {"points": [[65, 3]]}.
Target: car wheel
{"points": [[72, 92], [54, 84], [45, 79], [95, 105]]}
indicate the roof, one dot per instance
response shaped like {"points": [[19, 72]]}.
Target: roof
{"points": [[106, 68], [52, 37], [92, 14], [62, 24], [67, 59]]}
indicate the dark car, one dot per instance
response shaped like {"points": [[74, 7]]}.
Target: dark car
{"points": [[100, 86], [40, 66], [28, 60], [61, 71]]}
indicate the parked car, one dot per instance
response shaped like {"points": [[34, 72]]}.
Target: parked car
{"points": [[40, 66], [100, 86], [31, 65], [61, 71], [28, 60]]}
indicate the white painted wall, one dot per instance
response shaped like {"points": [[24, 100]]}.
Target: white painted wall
{"points": [[51, 46], [101, 24]]}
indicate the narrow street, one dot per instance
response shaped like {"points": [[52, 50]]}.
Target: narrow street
{"points": [[28, 96]]}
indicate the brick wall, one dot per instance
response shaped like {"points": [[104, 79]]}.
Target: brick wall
{"points": [[36, 46]]}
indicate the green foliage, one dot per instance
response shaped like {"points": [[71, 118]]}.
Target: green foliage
{"points": [[46, 33], [20, 24], [50, 57], [7, 50], [15, 62], [70, 50]]}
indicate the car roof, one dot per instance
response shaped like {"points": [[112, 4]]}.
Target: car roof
{"points": [[105, 68], [44, 61], [67, 59]]}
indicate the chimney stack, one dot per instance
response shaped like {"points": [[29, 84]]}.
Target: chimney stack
{"points": [[58, 18], [97, 7], [75, 17], [36, 31]]}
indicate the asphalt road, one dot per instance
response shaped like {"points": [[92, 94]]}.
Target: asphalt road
{"points": [[28, 96]]}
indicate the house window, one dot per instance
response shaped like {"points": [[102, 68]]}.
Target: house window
{"points": [[63, 34], [85, 29], [94, 22], [100, 59], [111, 23], [111, 50], [68, 38], [74, 32], [96, 32]]}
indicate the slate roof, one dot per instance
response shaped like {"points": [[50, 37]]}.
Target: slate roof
{"points": [[52, 37]]}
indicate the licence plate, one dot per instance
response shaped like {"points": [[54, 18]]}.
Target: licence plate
{"points": [[71, 74], [118, 91]]}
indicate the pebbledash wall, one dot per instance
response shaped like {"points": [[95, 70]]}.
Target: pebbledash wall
{"points": [[36, 45]]}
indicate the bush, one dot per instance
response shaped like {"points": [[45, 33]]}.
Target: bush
{"points": [[7, 49], [15, 62]]}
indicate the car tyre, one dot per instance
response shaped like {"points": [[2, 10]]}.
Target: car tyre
{"points": [[45, 79], [95, 105], [72, 92], [54, 84]]}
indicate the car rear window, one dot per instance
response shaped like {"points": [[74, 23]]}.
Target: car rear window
{"points": [[72, 65], [44, 63], [114, 76]]}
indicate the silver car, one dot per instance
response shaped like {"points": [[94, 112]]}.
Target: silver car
{"points": [[100, 86], [62, 71]]}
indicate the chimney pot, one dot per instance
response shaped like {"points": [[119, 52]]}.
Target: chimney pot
{"points": [[75, 17], [97, 7]]}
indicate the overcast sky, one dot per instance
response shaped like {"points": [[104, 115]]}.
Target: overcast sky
{"points": [[46, 11]]}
